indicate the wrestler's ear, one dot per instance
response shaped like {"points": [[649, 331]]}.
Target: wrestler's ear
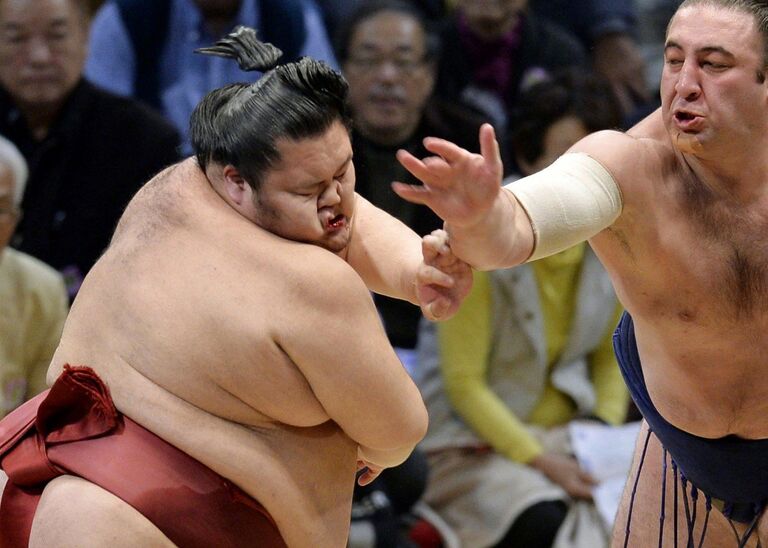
{"points": [[235, 186]]}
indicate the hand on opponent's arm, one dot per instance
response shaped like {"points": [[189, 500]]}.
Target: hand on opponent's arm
{"points": [[464, 189], [443, 280]]}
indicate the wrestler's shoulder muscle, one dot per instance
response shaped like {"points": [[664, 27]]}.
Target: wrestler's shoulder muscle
{"points": [[634, 161]]}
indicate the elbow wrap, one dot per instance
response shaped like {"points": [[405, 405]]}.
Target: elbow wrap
{"points": [[568, 202]]}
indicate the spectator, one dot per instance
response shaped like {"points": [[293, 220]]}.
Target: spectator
{"points": [[88, 151], [336, 12], [492, 49], [607, 28], [389, 60], [529, 352], [33, 302], [145, 48]]}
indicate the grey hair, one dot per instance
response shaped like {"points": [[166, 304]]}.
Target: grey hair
{"points": [[12, 158]]}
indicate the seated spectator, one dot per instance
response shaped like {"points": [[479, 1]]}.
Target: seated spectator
{"points": [[608, 30], [145, 48], [33, 301], [336, 12], [88, 151], [529, 351], [389, 60], [492, 49]]}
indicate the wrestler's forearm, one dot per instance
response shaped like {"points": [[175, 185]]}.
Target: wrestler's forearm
{"points": [[384, 252], [501, 239]]}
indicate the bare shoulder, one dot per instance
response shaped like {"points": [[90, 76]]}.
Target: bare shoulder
{"points": [[635, 159], [155, 205]]}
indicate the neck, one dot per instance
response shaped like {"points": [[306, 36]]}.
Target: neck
{"points": [[389, 139], [741, 177], [40, 117]]}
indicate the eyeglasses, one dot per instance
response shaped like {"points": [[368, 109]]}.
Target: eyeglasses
{"points": [[9, 215], [403, 64]]}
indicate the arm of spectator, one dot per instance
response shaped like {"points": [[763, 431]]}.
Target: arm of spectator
{"points": [[52, 310], [465, 346], [611, 392], [111, 61], [317, 44]]}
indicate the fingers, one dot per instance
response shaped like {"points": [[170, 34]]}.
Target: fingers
{"points": [[435, 244], [586, 477], [489, 146], [367, 477], [580, 490], [437, 309], [446, 150], [412, 193], [430, 275], [430, 170]]}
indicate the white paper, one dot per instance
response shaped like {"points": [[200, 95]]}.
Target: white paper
{"points": [[605, 452]]}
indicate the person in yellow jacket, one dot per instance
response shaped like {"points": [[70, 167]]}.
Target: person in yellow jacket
{"points": [[529, 351]]}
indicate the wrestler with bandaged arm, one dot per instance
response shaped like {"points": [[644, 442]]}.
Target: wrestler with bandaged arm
{"points": [[223, 374], [677, 211]]}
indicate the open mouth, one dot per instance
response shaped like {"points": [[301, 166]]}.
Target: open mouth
{"points": [[337, 222], [684, 116]]}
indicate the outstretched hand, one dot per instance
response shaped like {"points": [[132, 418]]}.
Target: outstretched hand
{"points": [[459, 186], [443, 280]]}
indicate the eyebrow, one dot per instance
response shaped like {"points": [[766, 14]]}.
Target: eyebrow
{"points": [[671, 44], [344, 164]]}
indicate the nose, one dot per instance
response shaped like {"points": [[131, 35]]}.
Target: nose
{"points": [[687, 85], [387, 70], [331, 195], [39, 51]]}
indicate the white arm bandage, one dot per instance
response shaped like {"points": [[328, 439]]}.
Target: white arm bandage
{"points": [[568, 202]]}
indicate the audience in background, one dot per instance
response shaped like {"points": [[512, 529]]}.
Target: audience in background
{"points": [[493, 49], [33, 301], [88, 151], [336, 12], [145, 48], [389, 60], [529, 351], [607, 29]]}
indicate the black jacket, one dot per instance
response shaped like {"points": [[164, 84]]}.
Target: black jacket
{"points": [[543, 45], [95, 157]]}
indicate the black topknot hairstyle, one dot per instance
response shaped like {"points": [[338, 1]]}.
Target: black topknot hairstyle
{"points": [[240, 124]]}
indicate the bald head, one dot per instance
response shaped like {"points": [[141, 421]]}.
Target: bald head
{"points": [[13, 167]]}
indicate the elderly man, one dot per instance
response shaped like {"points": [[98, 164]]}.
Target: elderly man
{"points": [[237, 371], [676, 210], [88, 151], [390, 60], [33, 301]]}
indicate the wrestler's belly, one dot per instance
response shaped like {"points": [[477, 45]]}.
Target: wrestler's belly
{"points": [[302, 475], [709, 388]]}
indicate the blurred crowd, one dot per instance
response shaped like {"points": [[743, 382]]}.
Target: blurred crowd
{"points": [[95, 98]]}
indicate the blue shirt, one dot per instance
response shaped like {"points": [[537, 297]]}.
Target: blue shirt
{"points": [[185, 77]]}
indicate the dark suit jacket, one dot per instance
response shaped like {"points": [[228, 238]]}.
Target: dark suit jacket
{"points": [[99, 152]]}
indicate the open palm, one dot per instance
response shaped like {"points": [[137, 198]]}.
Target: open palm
{"points": [[459, 186]]}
